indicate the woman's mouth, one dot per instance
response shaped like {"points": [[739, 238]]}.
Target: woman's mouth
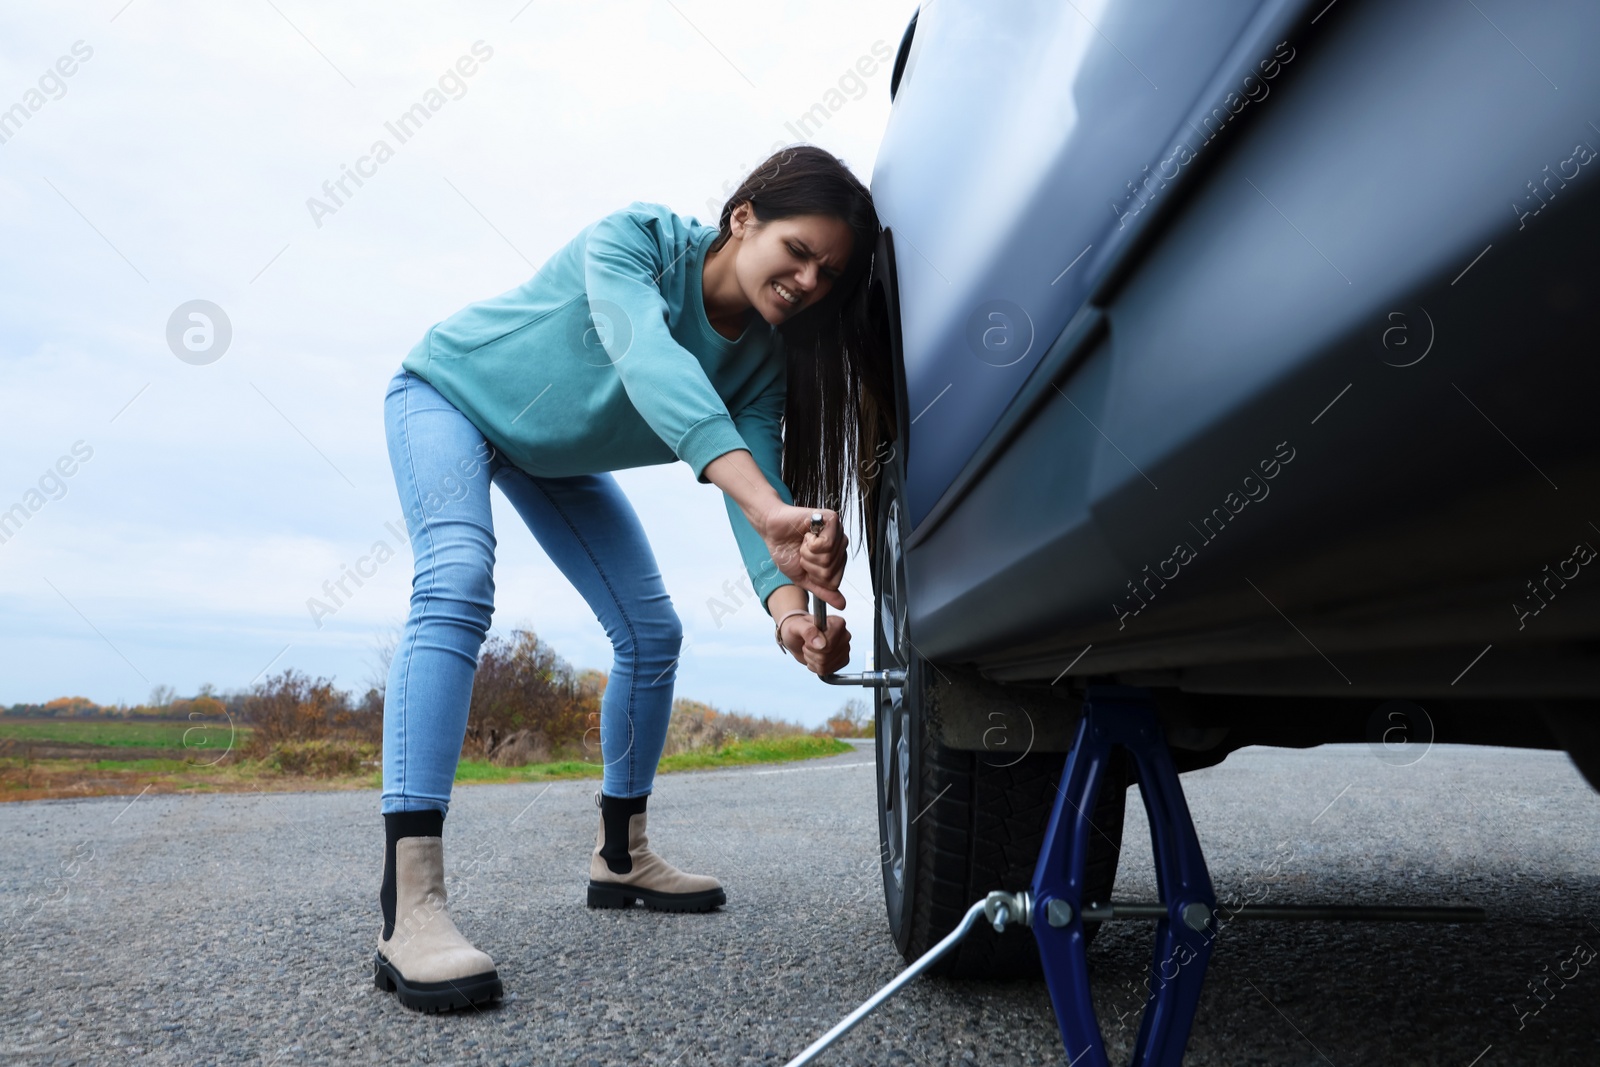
{"points": [[785, 295]]}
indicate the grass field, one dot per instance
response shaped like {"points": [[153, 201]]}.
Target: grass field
{"points": [[37, 779], [738, 753], [175, 735]]}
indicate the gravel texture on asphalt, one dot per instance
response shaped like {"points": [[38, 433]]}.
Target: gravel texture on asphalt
{"points": [[241, 928]]}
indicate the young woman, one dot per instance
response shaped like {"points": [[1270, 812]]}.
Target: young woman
{"points": [[648, 338]]}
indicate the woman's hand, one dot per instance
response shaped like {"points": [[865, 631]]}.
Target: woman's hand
{"points": [[814, 562], [800, 636]]}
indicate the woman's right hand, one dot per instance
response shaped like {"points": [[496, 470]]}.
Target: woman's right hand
{"points": [[814, 562]]}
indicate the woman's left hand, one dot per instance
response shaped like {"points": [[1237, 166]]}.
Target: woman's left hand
{"points": [[800, 636]]}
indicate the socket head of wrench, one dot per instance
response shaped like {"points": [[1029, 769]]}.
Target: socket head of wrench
{"points": [[1000, 908]]}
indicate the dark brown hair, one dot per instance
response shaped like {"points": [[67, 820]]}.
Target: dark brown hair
{"points": [[839, 406]]}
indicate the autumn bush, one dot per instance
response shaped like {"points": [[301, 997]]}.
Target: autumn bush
{"points": [[290, 707], [853, 719], [328, 758], [59, 708], [205, 706], [527, 700], [696, 726]]}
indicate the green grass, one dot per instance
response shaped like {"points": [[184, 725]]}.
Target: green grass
{"points": [[484, 771], [160, 766], [738, 753], [41, 778], [201, 736], [767, 750]]}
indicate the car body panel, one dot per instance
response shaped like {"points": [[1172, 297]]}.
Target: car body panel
{"points": [[1033, 104], [1390, 172]]}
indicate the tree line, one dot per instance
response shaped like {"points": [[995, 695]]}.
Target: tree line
{"points": [[528, 705]]}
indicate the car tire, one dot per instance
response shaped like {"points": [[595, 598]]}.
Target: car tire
{"points": [[955, 824]]}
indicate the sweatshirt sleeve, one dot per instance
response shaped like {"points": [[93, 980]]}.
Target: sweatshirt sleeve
{"points": [[664, 381], [758, 424]]}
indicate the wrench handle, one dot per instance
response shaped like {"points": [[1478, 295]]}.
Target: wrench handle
{"points": [[819, 607]]}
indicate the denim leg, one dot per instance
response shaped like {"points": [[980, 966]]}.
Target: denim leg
{"points": [[591, 532], [443, 468]]}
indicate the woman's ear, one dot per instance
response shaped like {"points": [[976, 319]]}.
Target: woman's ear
{"points": [[742, 222]]}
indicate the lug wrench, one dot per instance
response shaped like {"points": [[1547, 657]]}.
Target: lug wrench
{"points": [[885, 679]]}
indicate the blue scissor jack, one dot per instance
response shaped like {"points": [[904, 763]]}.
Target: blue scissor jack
{"points": [[1123, 716], [1116, 716]]}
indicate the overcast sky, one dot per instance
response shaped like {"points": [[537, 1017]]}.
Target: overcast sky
{"points": [[165, 152]]}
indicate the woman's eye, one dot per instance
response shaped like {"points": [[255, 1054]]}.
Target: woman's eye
{"points": [[831, 275]]}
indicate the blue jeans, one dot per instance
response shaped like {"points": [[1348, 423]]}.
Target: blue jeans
{"points": [[443, 468]]}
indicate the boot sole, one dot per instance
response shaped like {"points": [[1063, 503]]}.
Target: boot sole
{"points": [[437, 996], [602, 895]]}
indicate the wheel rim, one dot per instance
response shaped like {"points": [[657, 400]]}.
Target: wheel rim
{"points": [[894, 733]]}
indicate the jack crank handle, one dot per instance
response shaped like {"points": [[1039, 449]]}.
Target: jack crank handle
{"points": [[819, 607]]}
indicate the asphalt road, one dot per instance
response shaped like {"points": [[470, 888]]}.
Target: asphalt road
{"points": [[241, 929]]}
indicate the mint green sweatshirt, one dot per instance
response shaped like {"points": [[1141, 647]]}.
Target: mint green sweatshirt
{"points": [[605, 359]]}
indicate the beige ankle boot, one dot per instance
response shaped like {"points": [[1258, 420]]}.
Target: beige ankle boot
{"points": [[426, 962], [622, 868]]}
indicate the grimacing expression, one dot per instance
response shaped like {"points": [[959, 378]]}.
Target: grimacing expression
{"points": [[804, 254]]}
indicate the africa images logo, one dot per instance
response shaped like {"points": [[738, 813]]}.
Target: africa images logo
{"points": [[199, 332]]}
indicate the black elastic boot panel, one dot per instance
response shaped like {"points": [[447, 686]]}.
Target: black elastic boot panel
{"points": [[614, 815], [396, 825]]}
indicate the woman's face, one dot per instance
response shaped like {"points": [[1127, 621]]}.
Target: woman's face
{"points": [[802, 255]]}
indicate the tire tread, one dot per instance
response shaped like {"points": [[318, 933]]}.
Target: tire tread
{"points": [[983, 832]]}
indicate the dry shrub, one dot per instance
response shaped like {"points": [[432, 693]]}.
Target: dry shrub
{"points": [[523, 686], [321, 759], [853, 719], [695, 726], [290, 707], [521, 748]]}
